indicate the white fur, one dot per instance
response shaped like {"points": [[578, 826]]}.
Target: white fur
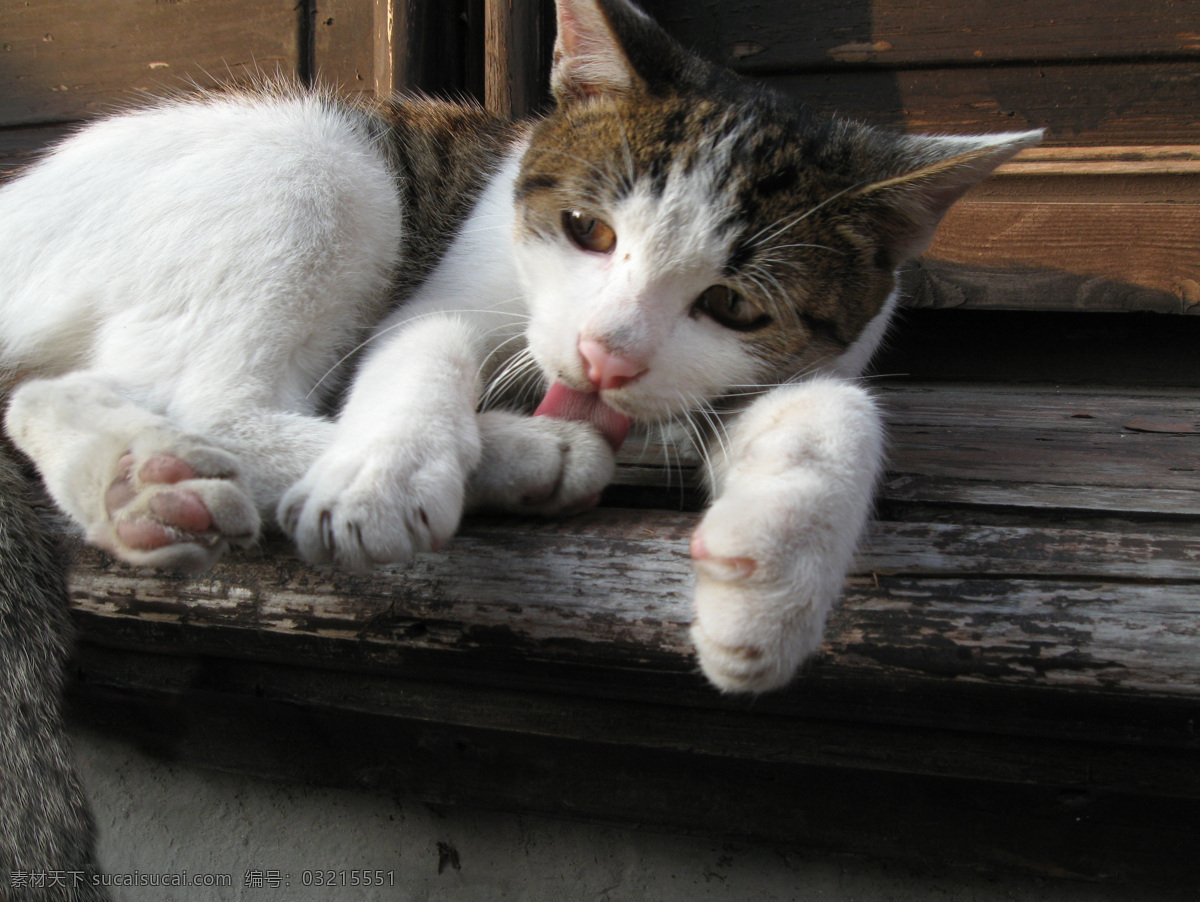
{"points": [[186, 299], [793, 495], [227, 255], [398, 473]]}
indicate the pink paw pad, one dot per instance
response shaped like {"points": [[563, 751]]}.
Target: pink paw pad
{"points": [[722, 567], [169, 515], [163, 468]]}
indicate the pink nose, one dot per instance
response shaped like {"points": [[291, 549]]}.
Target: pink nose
{"points": [[606, 370]]}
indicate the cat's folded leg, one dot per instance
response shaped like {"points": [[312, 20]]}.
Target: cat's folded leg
{"points": [[139, 487], [772, 552], [393, 480], [539, 465]]}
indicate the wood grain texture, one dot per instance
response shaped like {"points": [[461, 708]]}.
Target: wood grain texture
{"points": [[997, 446], [584, 599], [21, 146], [1146, 245], [516, 56], [380, 47], [775, 35], [933, 283], [1110, 608], [1130, 160], [346, 44], [1060, 450], [62, 60], [1072, 228], [1097, 104]]}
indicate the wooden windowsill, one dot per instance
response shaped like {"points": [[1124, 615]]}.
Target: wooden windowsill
{"points": [[1022, 629]]}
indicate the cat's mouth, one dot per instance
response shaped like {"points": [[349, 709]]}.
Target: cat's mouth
{"points": [[565, 403]]}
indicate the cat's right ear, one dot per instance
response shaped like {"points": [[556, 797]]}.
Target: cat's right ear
{"points": [[936, 173], [589, 60]]}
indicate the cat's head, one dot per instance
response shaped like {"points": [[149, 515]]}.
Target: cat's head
{"points": [[686, 235]]}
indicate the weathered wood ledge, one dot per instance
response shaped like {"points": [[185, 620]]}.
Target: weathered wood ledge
{"points": [[1012, 679]]}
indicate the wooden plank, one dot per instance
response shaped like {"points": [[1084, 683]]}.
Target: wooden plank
{"points": [[1132, 174], [1099, 104], [1048, 634], [346, 47], [1131, 160], [963, 490], [733, 733], [1148, 248], [611, 589], [1045, 449], [777, 35], [517, 44], [406, 45], [1161, 554], [64, 60], [999, 285], [997, 446], [1130, 413]]}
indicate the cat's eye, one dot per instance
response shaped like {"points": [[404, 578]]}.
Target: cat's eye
{"points": [[730, 309], [589, 233]]}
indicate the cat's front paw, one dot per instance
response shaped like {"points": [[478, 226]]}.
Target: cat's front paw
{"points": [[381, 503], [174, 502], [772, 553], [761, 597], [540, 465]]}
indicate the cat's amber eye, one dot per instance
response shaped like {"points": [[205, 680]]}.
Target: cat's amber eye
{"points": [[589, 233], [730, 309]]}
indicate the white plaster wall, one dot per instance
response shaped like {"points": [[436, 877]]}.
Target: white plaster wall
{"points": [[157, 818]]}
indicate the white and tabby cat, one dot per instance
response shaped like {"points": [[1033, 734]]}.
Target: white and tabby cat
{"points": [[181, 289]]}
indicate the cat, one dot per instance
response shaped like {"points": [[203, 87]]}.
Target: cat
{"points": [[271, 307]]}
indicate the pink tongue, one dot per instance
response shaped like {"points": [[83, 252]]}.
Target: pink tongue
{"points": [[564, 403]]}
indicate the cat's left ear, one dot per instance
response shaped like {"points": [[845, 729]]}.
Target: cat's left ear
{"points": [[590, 56], [941, 170]]}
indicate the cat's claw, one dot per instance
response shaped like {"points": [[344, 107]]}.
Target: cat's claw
{"points": [[180, 506]]}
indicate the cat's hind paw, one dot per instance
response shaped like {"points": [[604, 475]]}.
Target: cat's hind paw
{"points": [[539, 465], [178, 505]]}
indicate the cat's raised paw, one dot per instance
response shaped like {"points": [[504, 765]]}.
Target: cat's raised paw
{"points": [[760, 599], [180, 508], [738, 626]]}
